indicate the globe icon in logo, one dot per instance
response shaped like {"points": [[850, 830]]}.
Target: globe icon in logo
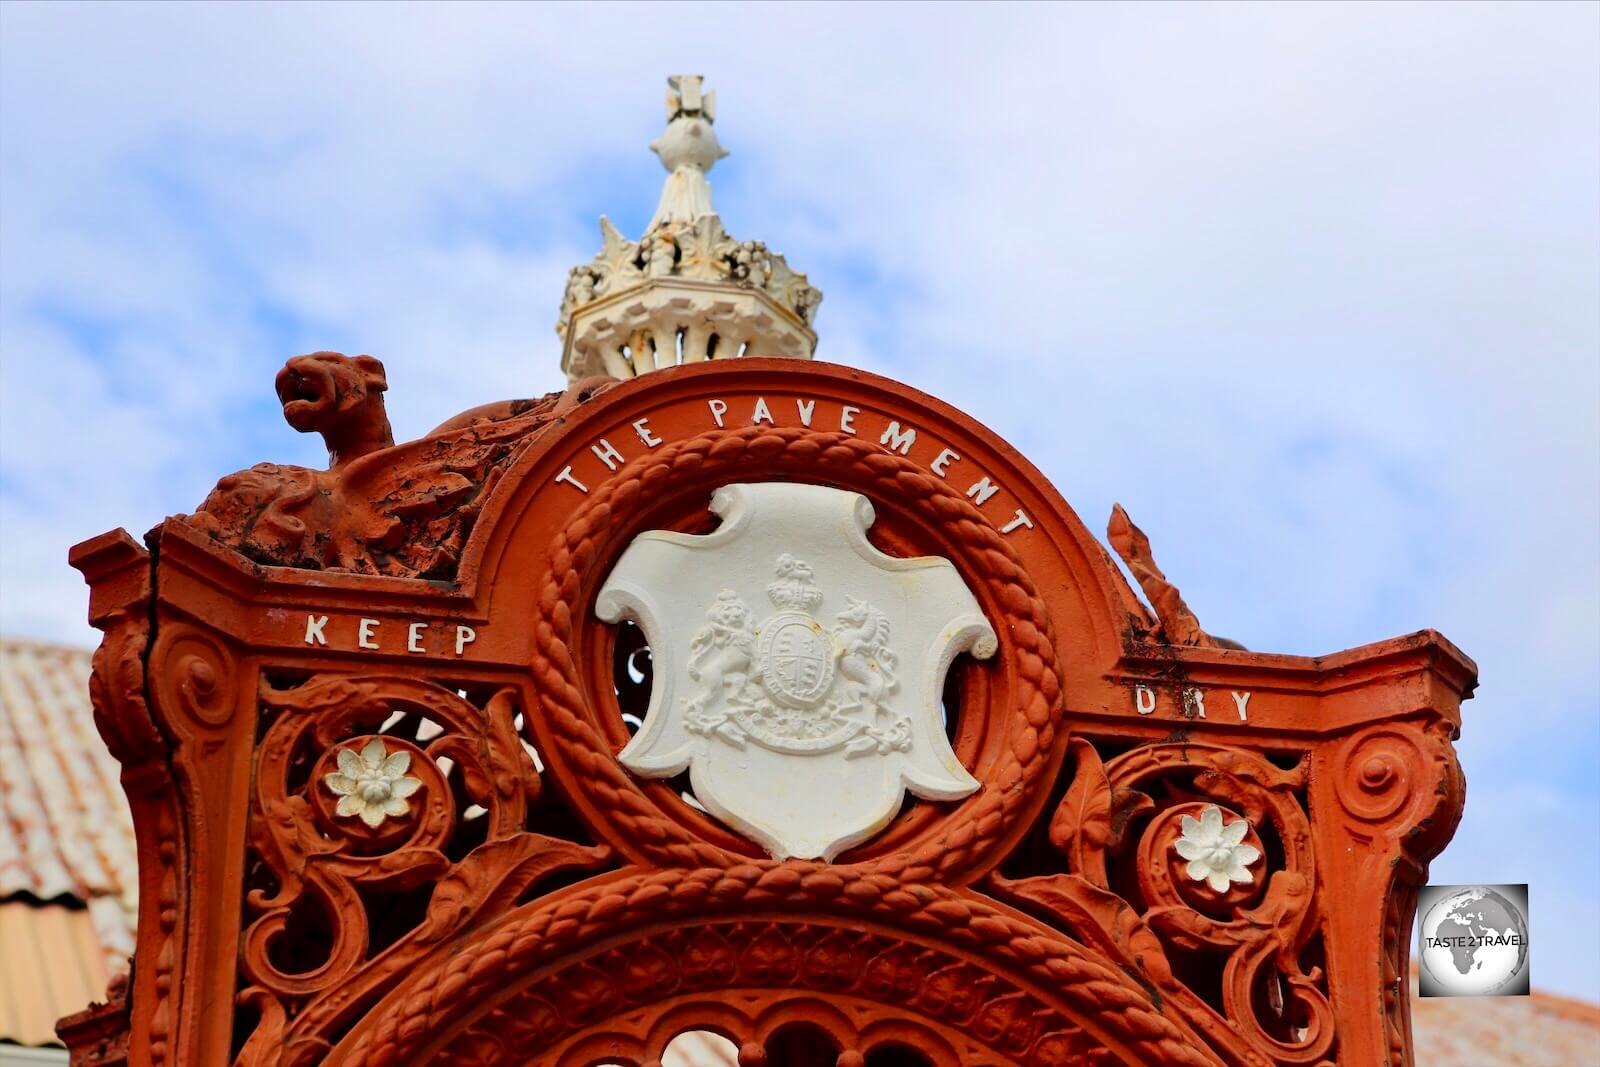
{"points": [[1474, 942]]}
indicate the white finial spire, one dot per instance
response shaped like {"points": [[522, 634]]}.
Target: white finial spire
{"points": [[688, 149], [685, 291]]}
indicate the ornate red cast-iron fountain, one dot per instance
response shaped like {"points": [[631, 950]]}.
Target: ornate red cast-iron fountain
{"points": [[370, 720]]}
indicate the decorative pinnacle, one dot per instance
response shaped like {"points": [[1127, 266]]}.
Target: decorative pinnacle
{"points": [[685, 291], [689, 142]]}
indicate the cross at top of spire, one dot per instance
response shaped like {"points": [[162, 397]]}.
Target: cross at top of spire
{"points": [[685, 98]]}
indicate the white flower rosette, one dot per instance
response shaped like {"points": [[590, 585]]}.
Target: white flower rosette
{"points": [[1216, 850], [372, 783]]}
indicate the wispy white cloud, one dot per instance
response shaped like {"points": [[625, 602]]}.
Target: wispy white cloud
{"points": [[1312, 289]]}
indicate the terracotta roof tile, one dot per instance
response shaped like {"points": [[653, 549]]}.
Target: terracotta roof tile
{"points": [[68, 867], [1541, 1030], [64, 824]]}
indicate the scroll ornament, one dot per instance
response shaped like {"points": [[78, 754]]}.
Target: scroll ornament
{"points": [[377, 817], [1137, 831]]}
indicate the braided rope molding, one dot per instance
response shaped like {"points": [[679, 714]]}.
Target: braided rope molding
{"points": [[968, 841], [1092, 992]]}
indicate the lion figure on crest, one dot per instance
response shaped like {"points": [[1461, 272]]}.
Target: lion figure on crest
{"points": [[721, 654]]}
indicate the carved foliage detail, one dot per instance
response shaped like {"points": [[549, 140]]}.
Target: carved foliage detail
{"points": [[1129, 891], [325, 877], [116, 689]]}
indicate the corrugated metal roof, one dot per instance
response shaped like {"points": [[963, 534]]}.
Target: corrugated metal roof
{"points": [[51, 964], [68, 867]]}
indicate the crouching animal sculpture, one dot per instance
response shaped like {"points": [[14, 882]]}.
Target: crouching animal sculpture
{"points": [[378, 508]]}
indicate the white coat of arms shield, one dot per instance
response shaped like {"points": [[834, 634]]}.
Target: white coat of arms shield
{"points": [[798, 670]]}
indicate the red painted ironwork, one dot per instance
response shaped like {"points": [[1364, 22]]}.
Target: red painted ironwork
{"points": [[534, 902]]}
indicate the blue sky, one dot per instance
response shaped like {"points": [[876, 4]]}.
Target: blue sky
{"points": [[1312, 290]]}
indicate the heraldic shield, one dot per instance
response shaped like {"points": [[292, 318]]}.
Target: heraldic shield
{"points": [[798, 669]]}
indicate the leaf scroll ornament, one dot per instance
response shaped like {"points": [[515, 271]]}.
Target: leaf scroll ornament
{"points": [[1091, 818], [1088, 822]]}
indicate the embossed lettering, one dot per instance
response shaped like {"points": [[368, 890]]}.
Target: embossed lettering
{"points": [[642, 428], [847, 416], [414, 636], [365, 635], [805, 407], [761, 414], [607, 453], [898, 439], [465, 635], [1144, 699], [943, 460], [1020, 519], [1242, 700], [314, 634], [566, 476], [981, 490], [718, 408]]}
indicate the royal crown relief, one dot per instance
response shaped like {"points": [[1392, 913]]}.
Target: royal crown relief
{"points": [[801, 727]]}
